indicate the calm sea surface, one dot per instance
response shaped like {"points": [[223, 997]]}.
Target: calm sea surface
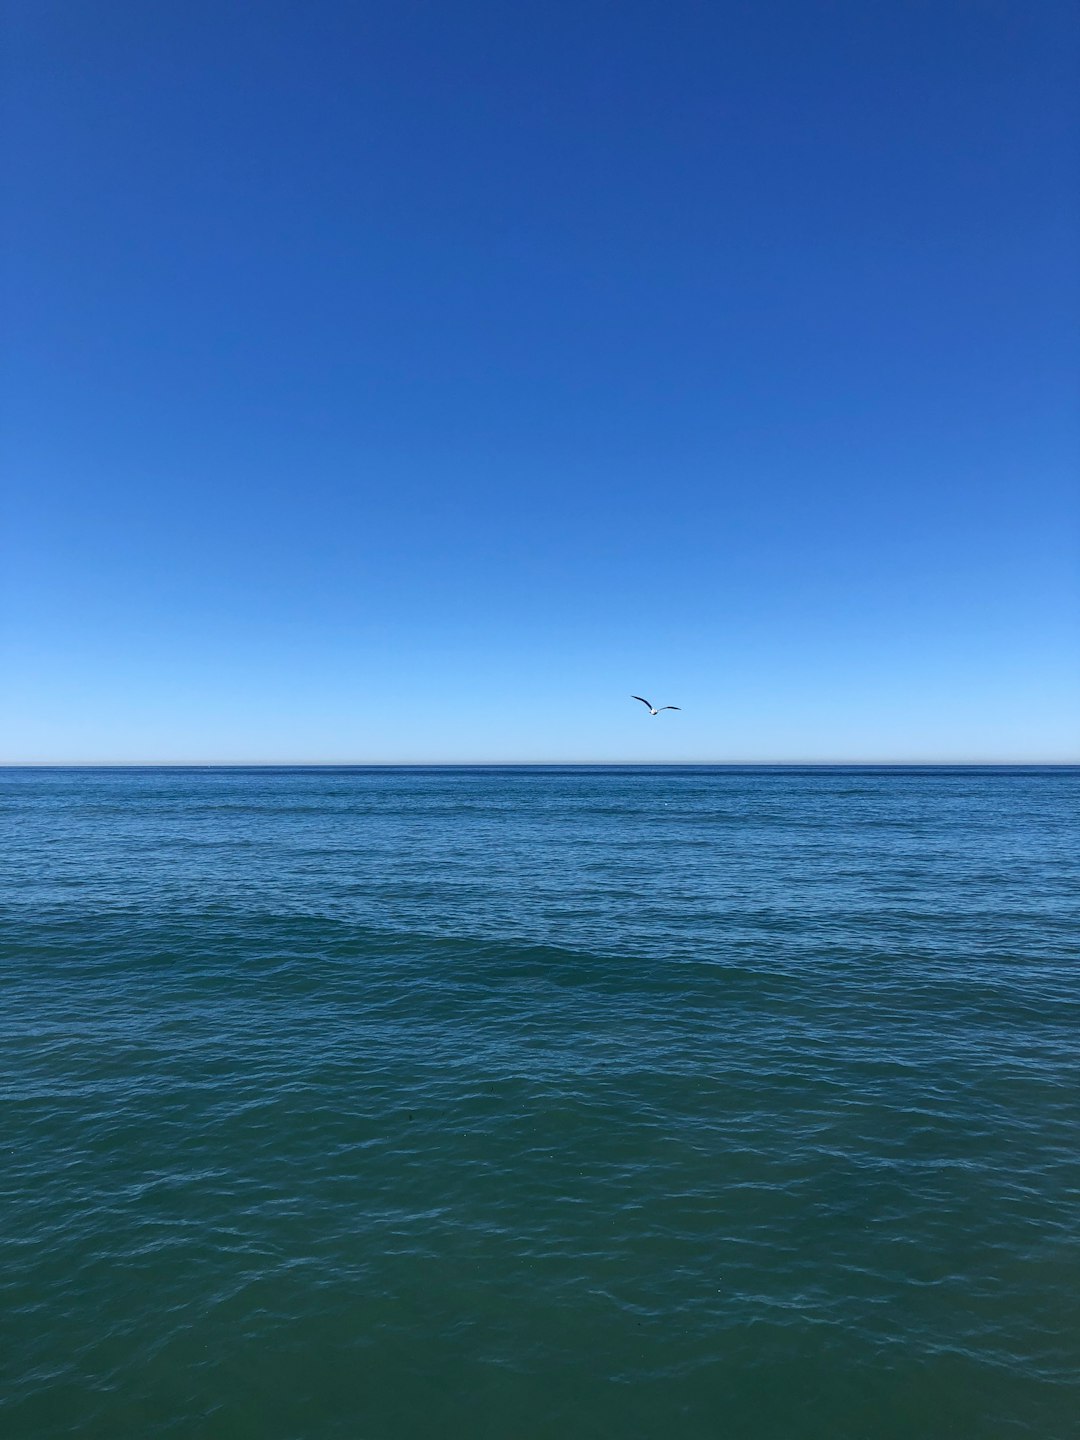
{"points": [[537, 1104]]}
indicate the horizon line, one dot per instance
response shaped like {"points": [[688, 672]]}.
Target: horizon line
{"points": [[518, 764]]}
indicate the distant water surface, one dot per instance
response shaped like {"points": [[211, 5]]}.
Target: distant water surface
{"points": [[507, 1104]]}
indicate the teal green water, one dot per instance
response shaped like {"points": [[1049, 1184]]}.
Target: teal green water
{"points": [[540, 1103]]}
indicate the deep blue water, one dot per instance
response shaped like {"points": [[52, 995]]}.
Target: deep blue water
{"points": [[536, 1103]]}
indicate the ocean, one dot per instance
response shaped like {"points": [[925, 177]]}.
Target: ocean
{"points": [[580, 1103]]}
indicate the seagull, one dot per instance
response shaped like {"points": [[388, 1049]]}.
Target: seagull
{"points": [[651, 708]]}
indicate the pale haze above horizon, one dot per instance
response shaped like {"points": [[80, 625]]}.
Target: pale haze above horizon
{"points": [[400, 383]]}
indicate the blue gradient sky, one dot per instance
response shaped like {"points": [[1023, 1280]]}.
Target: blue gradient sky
{"points": [[414, 382]]}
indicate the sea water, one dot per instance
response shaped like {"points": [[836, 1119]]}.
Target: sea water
{"points": [[540, 1102]]}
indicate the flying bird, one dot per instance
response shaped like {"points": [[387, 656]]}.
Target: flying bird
{"points": [[652, 708]]}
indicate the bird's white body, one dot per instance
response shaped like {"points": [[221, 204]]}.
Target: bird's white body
{"points": [[652, 708]]}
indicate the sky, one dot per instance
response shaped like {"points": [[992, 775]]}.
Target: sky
{"points": [[415, 382]]}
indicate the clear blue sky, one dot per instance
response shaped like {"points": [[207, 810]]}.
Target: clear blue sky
{"points": [[396, 381]]}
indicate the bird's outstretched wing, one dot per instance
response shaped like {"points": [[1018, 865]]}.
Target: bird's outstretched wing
{"points": [[670, 707], [643, 701]]}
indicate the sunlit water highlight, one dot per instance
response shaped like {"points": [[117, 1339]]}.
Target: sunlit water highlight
{"points": [[540, 1103]]}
